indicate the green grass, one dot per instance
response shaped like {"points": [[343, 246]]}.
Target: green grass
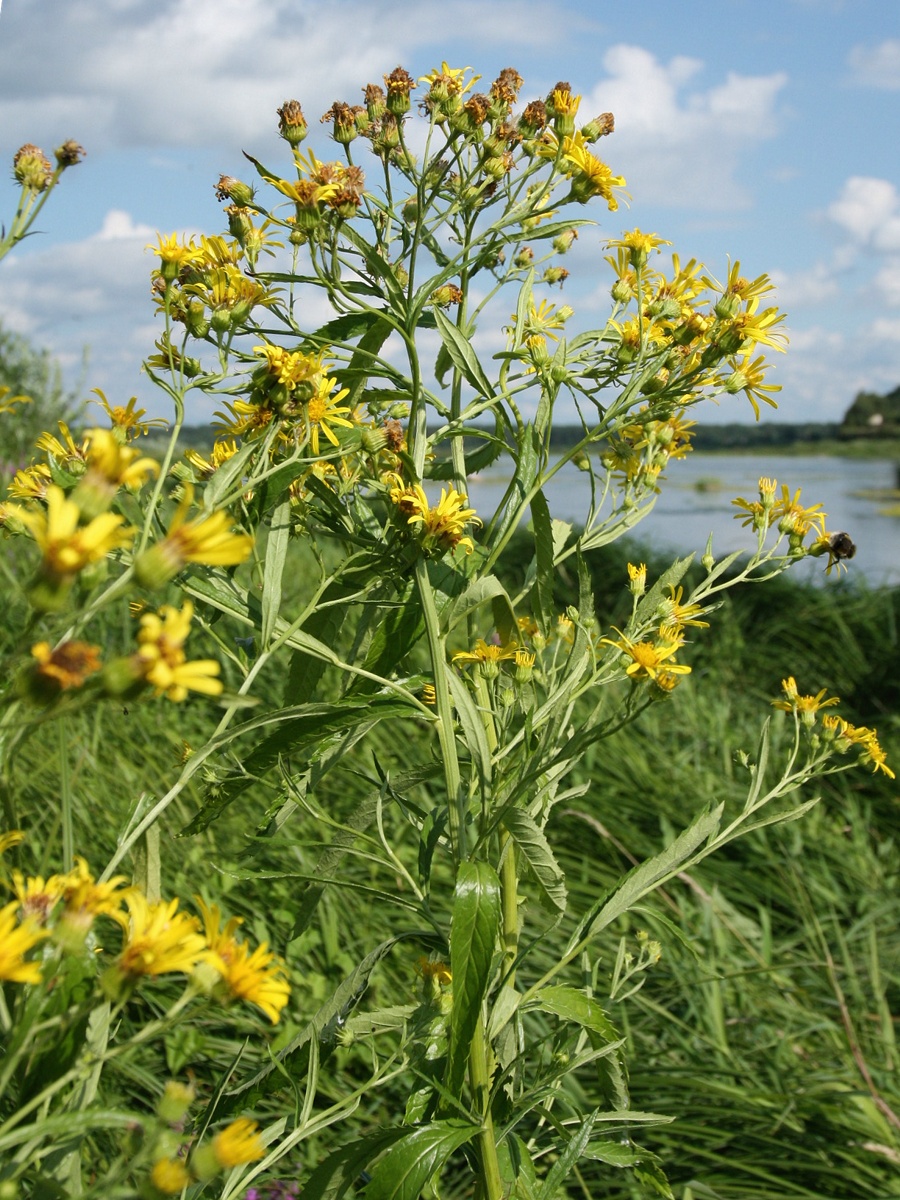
{"points": [[766, 1028]]}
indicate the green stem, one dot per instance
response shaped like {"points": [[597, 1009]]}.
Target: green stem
{"points": [[479, 1078], [456, 799], [65, 797]]}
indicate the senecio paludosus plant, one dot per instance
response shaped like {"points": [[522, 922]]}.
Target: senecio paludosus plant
{"points": [[330, 533]]}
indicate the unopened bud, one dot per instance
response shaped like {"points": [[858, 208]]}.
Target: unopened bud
{"points": [[32, 169]]}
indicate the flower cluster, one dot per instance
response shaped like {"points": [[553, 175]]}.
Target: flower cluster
{"points": [[837, 732], [438, 527], [157, 938]]}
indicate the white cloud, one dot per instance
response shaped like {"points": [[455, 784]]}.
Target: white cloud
{"points": [[877, 66], [802, 289], [92, 294], [123, 73], [678, 143], [869, 210]]}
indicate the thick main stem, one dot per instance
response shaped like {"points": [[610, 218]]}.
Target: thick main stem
{"points": [[479, 1078]]}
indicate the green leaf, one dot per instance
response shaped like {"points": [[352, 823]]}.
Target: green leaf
{"points": [[572, 1005], [472, 727], [473, 935], [672, 577], [341, 1169], [298, 728], [562, 1168], [276, 556], [542, 604], [406, 1168], [464, 358], [643, 879], [291, 1061], [535, 849]]}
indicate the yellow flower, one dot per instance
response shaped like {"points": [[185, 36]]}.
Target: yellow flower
{"points": [[590, 176], [8, 840], [676, 615], [7, 402], [163, 660], [67, 453], [238, 1143], [792, 517], [748, 378], [128, 419], [430, 968], [67, 665], [31, 483], [37, 897], [637, 578], [805, 706], [483, 653], [84, 898], [649, 660], [257, 977], [170, 1176], [222, 450], [67, 546], [159, 939], [205, 539], [15, 942], [174, 255], [448, 81], [109, 462], [638, 245], [323, 411], [443, 524]]}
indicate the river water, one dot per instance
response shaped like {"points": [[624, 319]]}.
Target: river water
{"points": [[696, 495]]}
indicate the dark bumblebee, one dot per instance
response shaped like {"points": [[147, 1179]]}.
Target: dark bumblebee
{"points": [[841, 546]]}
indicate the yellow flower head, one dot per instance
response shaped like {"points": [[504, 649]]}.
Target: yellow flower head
{"points": [[638, 245], [159, 939], [128, 419], [257, 977], [15, 941], [170, 1176], [205, 539], [30, 483], [442, 525], [483, 653], [805, 707], [84, 898], [67, 665], [67, 546], [649, 660], [323, 411], [112, 464], [238, 1143], [161, 639], [67, 453]]}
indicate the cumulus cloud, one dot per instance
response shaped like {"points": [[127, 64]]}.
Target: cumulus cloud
{"points": [[677, 142], [876, 66], [90, 296], [869, 211], [805, 289], [190, 72]]}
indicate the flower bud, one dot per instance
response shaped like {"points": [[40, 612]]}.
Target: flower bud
{"points": [[399, 84], [291, 124], [31, 168], [229, 188], [563, 243], [599, 127], [69, 154], [556, 275], [375, 104], [174, 1103]]}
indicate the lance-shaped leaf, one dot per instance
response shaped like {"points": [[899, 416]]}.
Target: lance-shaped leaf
{"points": [[410, 1163], [535, 849], [473, 935], [463, 356]]}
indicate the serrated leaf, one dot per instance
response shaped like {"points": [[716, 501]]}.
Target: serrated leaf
{"points": [[542, 604], [535, 849], [473, 935], [406, 1168], [569, 1157], [572, 1005], [341, 1169], [643, 879], [463, 355]]}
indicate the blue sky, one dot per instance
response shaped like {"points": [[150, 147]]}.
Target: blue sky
{"points": [[764, 131]]}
